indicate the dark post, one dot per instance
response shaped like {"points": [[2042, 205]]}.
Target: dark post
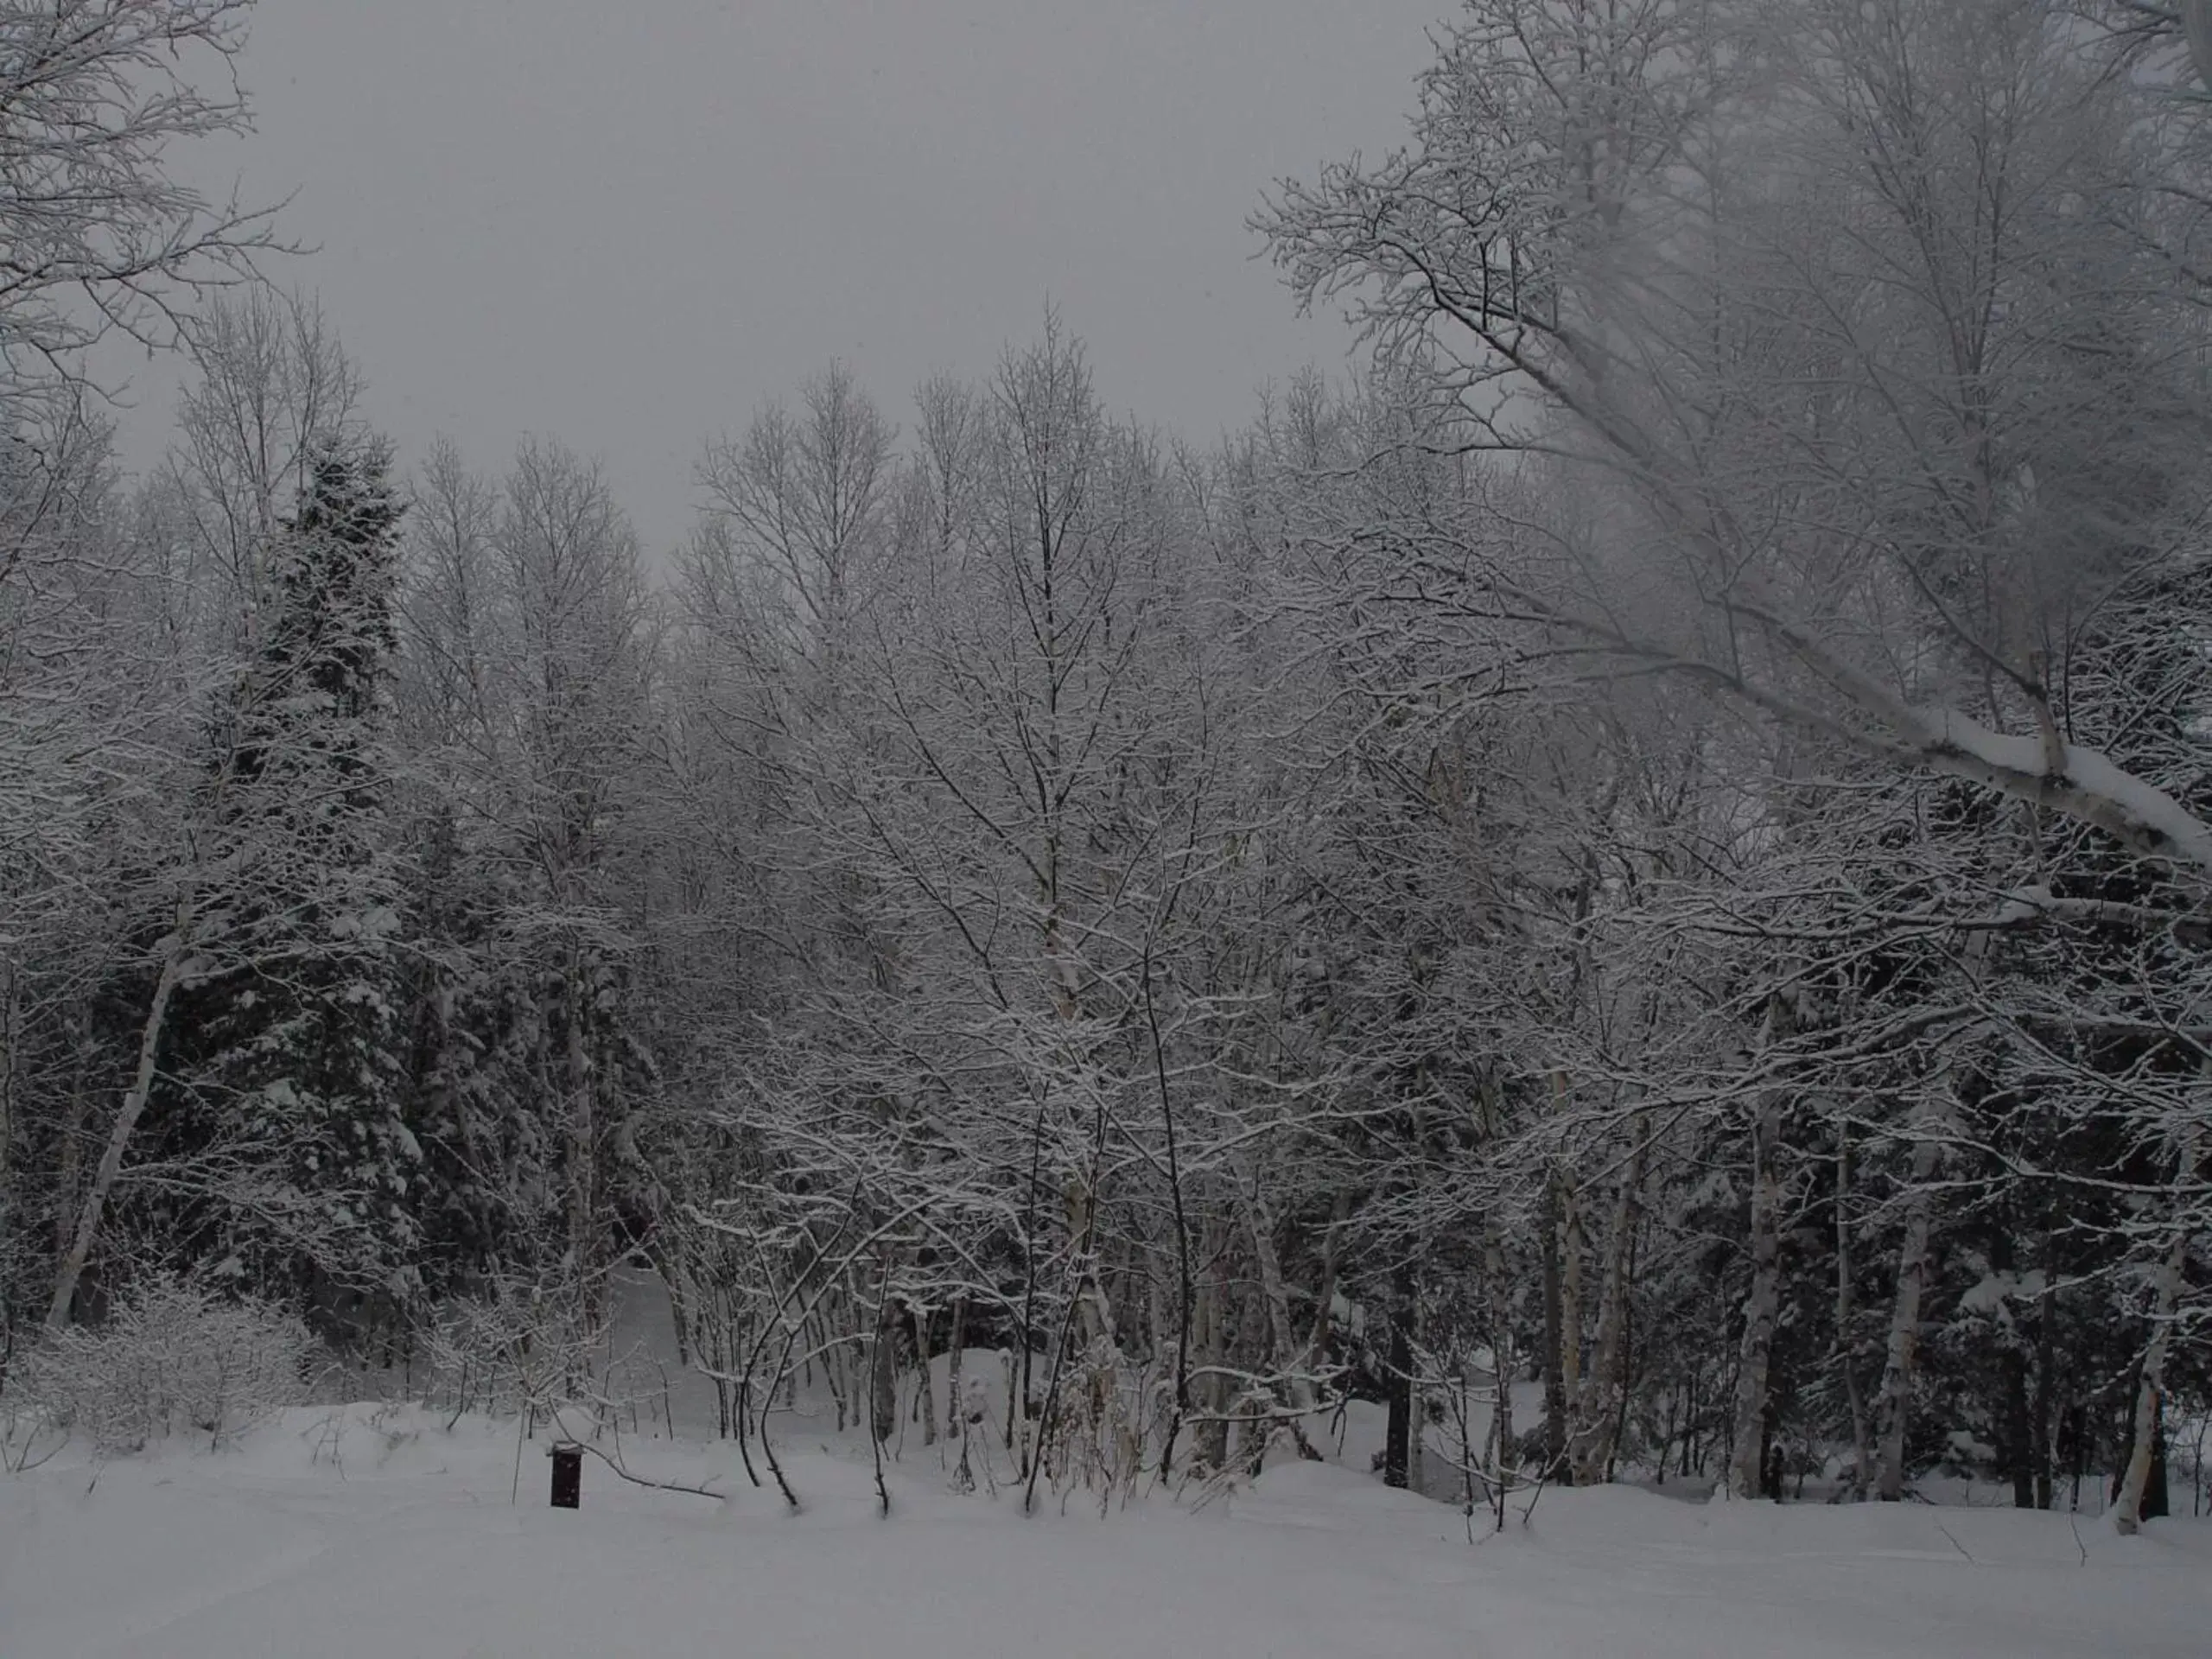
{"points": [[568, 1476]]}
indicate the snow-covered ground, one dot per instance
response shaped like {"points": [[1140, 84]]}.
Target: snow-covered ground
{"points": [[378, 1533]]}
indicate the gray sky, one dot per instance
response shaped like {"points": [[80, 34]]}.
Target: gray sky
{"points": [[625, 225]]}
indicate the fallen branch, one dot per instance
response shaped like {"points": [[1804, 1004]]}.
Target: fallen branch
{"points": [[619, 1468]]}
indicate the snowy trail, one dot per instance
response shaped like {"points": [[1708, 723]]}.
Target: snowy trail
{"points": [[411, 1548]]}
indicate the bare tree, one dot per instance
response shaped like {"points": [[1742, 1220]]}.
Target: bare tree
{"points": [[100, 239]]}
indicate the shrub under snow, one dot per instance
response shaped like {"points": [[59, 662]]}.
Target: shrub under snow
{"points": [[170, 1359]]}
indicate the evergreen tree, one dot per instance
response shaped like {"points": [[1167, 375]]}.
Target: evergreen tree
{"points": [[291, 1051]]}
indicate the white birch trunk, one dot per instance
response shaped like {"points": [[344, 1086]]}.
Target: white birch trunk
{"points": [[2135, 1480], [2127, 1508], [1894, 1404]]}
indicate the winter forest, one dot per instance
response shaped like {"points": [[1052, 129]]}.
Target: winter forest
{"points": [[1619, 885]]}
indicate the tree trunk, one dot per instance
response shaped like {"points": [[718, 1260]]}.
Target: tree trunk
{"points": [[2019, 1437], [681, 1315], [1501, 1339], [1208, 1325], [955, 1403], [1253, 1430], [883, 1375], [71, 1169], [1324, 1293], [2128, 1510], [1746, 1473], [1554, 1381], [1605, 1388], [1416, 1396], [90, 1213], [1397, 1442], [961, 1414], [10, 1036], [1574, 1246], [2045, 1421], [1846, 1349], [1894, 1406], [1282, 1339], [926, 1398], [582, 1150]]}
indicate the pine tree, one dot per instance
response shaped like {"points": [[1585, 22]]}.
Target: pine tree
{"points": [[291, 1050]]}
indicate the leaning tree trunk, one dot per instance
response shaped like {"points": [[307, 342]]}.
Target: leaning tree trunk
{"points": [[93, 1211]]}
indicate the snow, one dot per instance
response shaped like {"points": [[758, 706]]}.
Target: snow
{"points": [[380, 1532], [2107, 793], [375, 1531], [1993, 1290]]}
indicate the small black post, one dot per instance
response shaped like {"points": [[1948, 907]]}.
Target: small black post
{"points": [[568, 1476]]}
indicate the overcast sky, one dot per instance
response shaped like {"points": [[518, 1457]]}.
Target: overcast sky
{"points": [[625, 224]]}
